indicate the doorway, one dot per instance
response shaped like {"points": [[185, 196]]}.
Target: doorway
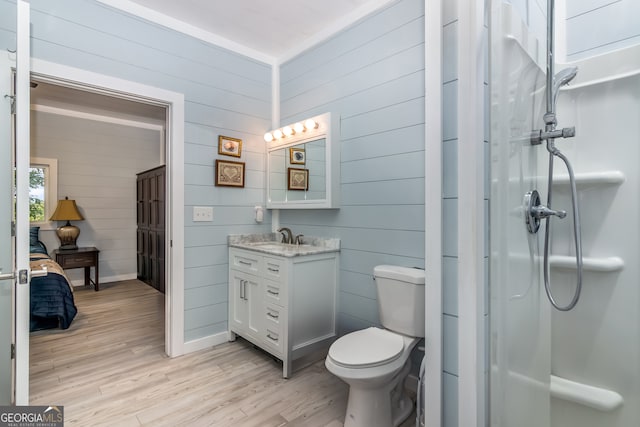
{"points": [[97, 84]]}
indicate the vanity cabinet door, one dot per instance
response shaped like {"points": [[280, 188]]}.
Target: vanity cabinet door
{"points": [[253, 295], [245, 304], [237, 303]]}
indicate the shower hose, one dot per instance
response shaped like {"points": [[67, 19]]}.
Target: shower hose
{"points": [[553, 151]]}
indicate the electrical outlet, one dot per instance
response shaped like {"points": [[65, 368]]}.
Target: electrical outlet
{"points": [[202, 213]]}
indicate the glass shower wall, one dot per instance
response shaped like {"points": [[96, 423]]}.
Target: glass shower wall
{"points": [[520, 315]]}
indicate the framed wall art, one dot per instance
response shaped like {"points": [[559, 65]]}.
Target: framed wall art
{"points": [[298, 179], [229, 174], [297, 156], [228, 146]]}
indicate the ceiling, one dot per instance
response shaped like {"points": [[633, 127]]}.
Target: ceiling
{"points": [[52, 98], [272, 28]]}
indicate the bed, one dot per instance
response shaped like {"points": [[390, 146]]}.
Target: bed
{"points": [[51, 296]]}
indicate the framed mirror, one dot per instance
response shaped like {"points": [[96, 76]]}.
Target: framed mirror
{"points": [[303, 165]]}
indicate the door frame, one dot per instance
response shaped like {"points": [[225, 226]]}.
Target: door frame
{"points": [[174, 158]]}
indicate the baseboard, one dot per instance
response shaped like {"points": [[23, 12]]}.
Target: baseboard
{"points": [[206, 342], [108, 279]]}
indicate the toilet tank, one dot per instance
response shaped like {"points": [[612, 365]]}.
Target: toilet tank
{"points": [[401, 299]]}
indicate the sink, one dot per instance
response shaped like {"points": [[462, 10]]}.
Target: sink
{"points": [[275, 246], [271, 246]]}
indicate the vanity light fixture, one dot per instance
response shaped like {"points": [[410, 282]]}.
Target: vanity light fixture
{"points": [[288, 131], [310, 124], [291, 130]]}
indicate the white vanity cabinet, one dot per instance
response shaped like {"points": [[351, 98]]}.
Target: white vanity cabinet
{"points": [[284, 305]]}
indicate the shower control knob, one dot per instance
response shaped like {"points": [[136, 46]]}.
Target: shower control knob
{"points": [[534, 211], [542, 212]]}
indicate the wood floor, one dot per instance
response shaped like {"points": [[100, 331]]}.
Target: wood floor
{"points": [[109, 368]]}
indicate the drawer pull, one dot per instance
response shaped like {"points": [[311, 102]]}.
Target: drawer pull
{"points": [[273, 292], [244, 262], [272, 338], [273, 316], [275, 270]]}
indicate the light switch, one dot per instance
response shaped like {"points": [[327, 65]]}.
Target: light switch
{"points": [[202, 213]]}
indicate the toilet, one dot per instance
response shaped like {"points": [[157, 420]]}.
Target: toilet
{"points": [[375, 361]]}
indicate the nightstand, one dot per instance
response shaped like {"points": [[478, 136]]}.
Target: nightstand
{"points": [[79, 258]]}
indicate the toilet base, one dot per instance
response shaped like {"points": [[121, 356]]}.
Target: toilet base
{"points": [[382, 407]]}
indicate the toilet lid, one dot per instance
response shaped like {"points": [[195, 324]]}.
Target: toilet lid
{"points": [[367, 348]]}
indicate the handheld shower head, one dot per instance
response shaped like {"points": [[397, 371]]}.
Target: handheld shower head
{"points": [[562, 78]]}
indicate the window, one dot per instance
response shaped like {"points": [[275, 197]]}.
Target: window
{"points": [[43, 190]]}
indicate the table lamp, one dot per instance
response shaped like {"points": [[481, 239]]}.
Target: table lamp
{"points": [[68, 234]]}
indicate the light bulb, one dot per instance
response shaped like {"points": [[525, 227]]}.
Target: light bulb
{"points": [[268, 137], [278, 133], [310, 124], [287, 130], [298, 127]]}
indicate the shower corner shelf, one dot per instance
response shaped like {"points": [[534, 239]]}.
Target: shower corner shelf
{"points": [[592, 179], [602, 265]]}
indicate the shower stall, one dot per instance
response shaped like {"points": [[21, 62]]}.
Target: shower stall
{"points": [[573, 366]]}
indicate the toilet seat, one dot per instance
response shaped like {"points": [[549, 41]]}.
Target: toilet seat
{"points": [[367, 348]]}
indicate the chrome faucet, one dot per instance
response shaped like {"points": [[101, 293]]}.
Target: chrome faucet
{"points": [[287, 235]]}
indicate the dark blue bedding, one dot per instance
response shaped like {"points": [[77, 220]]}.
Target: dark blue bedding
{"points": [[52, 304]]}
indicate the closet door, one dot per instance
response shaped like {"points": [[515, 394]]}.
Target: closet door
{"points": [[151, 224]]}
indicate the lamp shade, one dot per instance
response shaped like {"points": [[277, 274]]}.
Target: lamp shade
{"points": [[66, 211], [68, 234]]}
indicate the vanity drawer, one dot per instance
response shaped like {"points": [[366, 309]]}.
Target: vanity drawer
{"points": [[275, 293], [274, 269], [274, 319], [245, 261]]}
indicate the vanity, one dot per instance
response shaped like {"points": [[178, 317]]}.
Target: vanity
{"points": [[282, 297]]}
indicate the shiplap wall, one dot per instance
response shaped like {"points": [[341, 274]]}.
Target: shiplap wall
{"points": [[225, 93], [97, 166], [372, 77]]}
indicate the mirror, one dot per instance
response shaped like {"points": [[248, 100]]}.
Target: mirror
{"points": [[303, 169]]}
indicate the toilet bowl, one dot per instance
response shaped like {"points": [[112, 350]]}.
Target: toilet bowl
{"points": [[375, 361]]}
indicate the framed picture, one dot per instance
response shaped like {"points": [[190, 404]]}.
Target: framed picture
{"points": [[228, 146], [297, 156], [298, 179], [229, 174]]}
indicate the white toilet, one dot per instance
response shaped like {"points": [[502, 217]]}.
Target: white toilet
{"points": [[374, 361]]}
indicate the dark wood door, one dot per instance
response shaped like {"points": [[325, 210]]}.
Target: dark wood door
{"points": [[151, 195]]}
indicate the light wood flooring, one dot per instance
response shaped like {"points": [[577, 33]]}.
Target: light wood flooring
{"points": [[109, 368]]}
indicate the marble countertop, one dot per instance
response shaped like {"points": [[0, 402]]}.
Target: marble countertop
{"points": [[269, 243]]}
